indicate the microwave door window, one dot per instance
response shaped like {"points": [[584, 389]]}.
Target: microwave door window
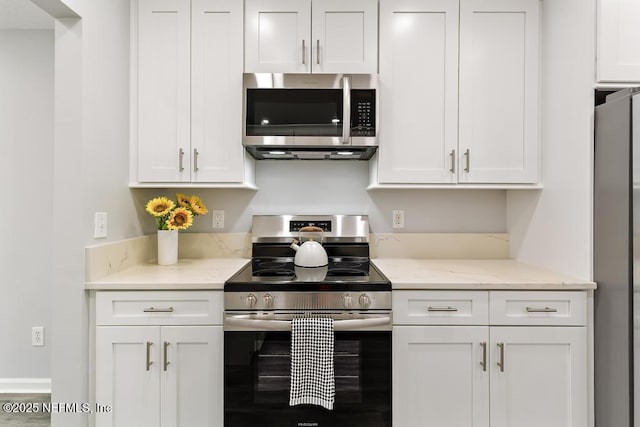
{"points": [[294, 112]]}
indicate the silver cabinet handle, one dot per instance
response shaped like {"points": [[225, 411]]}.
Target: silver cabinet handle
{"points": [[166, 360], [453, 161], [501, 362], [484, 356], [303, 51], [467, 156], [195, 160], [158, 310], [541, 310], [149, 362], [442, 309], [180, 159], [318, 52]]}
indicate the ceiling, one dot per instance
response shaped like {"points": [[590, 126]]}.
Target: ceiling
{"points": [[23, 15]]}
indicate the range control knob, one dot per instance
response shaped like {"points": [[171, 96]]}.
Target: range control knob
{"points": [[347, 301], [365, 301], [268, 300], [250, 301]]}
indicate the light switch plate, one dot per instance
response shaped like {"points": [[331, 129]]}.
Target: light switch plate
{"points": [[100, 225]]}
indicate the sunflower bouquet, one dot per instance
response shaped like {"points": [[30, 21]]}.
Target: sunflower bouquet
{"points": [[177, 215]]}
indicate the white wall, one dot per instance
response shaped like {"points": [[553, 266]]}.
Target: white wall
{"points": [[553, 228], [339, 187], [105, 163], [90, 175], [26, 220]]}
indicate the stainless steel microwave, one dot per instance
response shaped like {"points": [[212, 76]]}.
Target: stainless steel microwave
{"points": [[310, 116]]}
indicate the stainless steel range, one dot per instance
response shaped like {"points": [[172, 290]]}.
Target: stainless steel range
{"points": [[266, 294]]}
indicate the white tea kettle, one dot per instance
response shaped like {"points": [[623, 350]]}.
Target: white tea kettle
{"points": [[310, 254]]}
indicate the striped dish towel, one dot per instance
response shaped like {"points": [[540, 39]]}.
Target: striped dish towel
{"points": [[312, 376]]}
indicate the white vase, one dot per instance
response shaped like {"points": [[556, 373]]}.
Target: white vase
{"points": [[167, 247]]}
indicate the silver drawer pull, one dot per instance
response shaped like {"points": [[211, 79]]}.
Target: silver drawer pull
{"points": [[158, 310], [447, 309], [541, 310]]}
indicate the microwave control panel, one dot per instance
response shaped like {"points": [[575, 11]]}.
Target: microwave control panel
{"points": [[363, 112]]}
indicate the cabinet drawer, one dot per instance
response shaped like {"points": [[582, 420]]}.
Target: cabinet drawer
{"points": [[538, 308], [159, 308], [440, 307]]}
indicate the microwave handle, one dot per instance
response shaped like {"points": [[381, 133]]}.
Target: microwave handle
{"points": [[346, 110]]}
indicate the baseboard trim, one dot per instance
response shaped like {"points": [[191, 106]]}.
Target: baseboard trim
{"points": [[25, 385]]}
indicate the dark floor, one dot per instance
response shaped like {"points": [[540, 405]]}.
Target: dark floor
{"points": [[24, 410]]}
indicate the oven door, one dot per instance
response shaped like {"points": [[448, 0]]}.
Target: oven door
{"points": [[257, 363]]}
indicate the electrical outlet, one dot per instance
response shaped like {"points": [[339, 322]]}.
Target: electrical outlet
{"points": [[100, 225], [398, 219], [218, 218], [37, 336]]}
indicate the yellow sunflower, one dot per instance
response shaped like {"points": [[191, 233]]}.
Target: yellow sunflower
{"points": [[180, 219], [160, 206], [183, 200], [197, 206]]}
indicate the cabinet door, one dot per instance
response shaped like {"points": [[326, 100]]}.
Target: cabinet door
{"points": [[127, 375], [618, 35], [344, 36], [216, 91], [163, 90], [499, 100], [277, 36], [438, 376], [418, 91], [191, 372], [543, 378]]}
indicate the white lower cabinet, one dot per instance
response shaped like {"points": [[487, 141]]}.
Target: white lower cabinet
{"points": [[481, 375], [158, 374], [543, 378], [438, 379]]}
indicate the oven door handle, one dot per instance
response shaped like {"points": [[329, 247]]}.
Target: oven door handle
{"points": [[285, 325]]}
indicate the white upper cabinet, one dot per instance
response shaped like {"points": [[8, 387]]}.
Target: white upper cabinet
{"points": [[459, 92], [618, 55], [163, 90], [328, 36], [189, 93], [216, 91], [345, 36], [418, 91], [278, 36], [499, 91]]}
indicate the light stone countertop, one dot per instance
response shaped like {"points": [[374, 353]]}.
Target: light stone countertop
{"points": [[207, 273], [474, 274], [404, 273]]}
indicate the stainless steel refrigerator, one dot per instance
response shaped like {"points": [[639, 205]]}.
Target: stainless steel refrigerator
{"points": [[617, 260]]}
